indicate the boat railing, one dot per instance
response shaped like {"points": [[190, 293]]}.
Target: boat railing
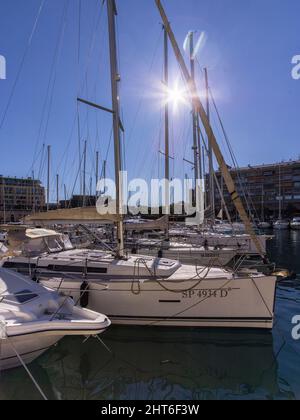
{"points": [[260, 266]]}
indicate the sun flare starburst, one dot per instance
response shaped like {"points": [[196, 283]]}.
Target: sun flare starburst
{"points": [[175, 96]]}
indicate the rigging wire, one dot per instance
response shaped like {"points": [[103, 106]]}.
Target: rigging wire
{"points": [[19, 357], [51, 75], [79, 29], [234, 160], [29, 43], [142, 99], [97, 21]]}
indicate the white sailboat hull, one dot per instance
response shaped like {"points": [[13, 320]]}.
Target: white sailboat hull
{"points": [[295, 226], [141, 290], [223, 303], [243, 244], [281, 226]]}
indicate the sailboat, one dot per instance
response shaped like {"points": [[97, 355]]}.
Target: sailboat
{"points": [[281, 224], [143, 290]]}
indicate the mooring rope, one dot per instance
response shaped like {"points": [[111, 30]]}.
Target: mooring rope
{"points": [[10, 342]]}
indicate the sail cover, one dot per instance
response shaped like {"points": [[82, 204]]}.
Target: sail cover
{"points": [[85, 215]]}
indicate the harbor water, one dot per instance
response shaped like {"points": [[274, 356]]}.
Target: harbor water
{"points": [[177, 364]]}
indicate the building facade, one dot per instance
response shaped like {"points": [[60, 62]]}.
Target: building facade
{"points": [[78, 201], [19, 198], [264, 187]]}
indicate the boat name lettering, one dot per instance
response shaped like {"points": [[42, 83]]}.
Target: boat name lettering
{"points": [[206, 293]]}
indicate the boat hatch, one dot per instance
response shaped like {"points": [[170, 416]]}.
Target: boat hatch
{"points": [[21, 297], [166, 263]]}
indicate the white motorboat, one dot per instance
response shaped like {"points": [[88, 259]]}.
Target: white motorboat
{"points": [[281, 225], [295, 224], [34, 318], [141, 290]]}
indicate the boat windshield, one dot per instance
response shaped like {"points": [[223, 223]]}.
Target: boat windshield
{"points": [[3, 249], [24, 296], [58, 243], [49, 244]]}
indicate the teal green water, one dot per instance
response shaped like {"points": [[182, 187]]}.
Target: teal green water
{"points": [[163, 364]]}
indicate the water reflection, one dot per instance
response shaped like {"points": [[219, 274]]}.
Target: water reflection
{"points": [[284, 249], [160, 364]]}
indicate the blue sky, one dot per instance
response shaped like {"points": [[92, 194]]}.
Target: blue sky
{"points": [[250, 45]]}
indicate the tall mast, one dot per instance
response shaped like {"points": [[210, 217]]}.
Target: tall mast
{"points": [[97, 172], [210, 152], [65, 193], [115, 79], [166, 83], [104, 173], [167, 123], [4, 200], [48, 177], [33, 193], [79, 149], [57, 191], [84, 174], [194, 114], [199, 148], [222, 198], [91, 187], [263, 203], [280, 194], [209, 132]]}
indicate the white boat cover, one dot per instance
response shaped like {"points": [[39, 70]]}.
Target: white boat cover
{"points": [[85, 215]]}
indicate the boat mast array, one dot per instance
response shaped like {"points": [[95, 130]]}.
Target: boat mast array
{"points": [[209, 131]]}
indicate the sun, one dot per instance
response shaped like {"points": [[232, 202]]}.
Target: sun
{"points": [[175, 96]]}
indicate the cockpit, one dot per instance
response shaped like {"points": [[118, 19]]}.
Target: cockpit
{"points": [[46, 244]]}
